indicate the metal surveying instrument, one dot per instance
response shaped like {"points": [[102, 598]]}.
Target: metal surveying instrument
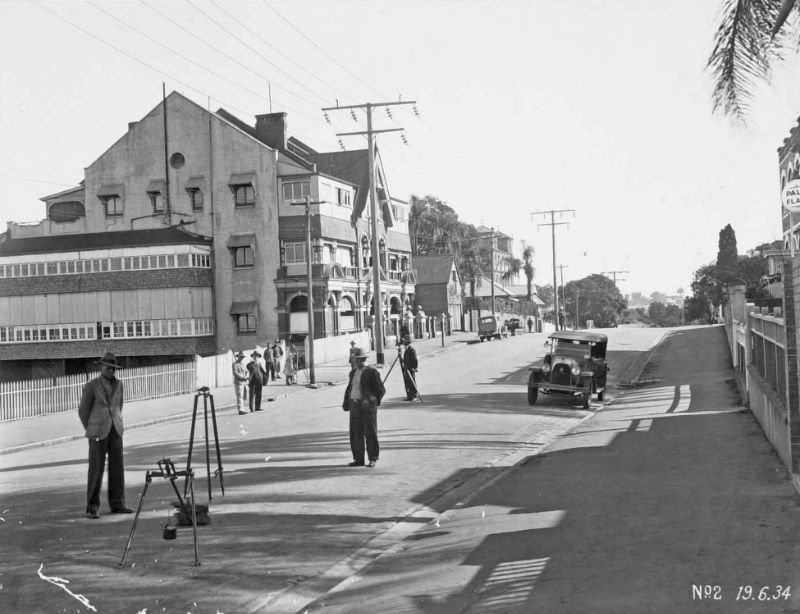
{"points": [[407, 376], [166, 470], [208, 400]]}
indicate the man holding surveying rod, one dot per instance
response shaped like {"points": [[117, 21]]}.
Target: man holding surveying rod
{"points": [[408, 366]]}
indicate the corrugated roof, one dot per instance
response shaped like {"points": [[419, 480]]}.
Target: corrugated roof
{"points": [[99, 240], [432, 269]]}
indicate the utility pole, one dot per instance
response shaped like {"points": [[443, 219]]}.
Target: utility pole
{"points": [[491, 256], [552, 223], [614, 275], [309, 288], [561, 268], [577, 307], [377, 305]]}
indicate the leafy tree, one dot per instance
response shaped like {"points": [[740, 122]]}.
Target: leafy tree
{"points": [[545, 293], [595, 297], [660, 314], [727, 255], [434, 227], [658, 297], [515, 265], [750, 36], [696, 309], [707, 291]]}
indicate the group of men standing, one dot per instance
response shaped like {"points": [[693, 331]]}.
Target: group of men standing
{"points": [[253, 376]]}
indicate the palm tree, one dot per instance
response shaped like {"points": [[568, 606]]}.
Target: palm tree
{"points": [[751, 35], [515, 265]]}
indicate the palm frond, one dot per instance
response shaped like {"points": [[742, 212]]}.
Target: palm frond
{"points": [[744, 49]]}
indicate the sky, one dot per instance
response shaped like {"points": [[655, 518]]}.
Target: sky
{"points": [[600, 109]]}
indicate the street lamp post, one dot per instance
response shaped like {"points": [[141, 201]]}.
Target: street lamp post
{"points": [[309, 288]]}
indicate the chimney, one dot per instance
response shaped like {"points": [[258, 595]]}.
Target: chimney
{"points": [[271, 129]]}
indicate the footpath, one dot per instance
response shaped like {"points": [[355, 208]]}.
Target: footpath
{"points": [[18, 435]]}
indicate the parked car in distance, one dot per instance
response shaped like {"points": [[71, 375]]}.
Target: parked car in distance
{"points": [[489, 327], [574, 366]]}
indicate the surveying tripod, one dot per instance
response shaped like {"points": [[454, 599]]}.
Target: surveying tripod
{"points": [[407, 377], [166, 470], [208, 400]]}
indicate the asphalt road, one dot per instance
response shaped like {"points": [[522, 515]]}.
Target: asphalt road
{"points": [[295, 521]]}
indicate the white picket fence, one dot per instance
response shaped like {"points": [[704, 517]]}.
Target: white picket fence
{"points": [[25, 399]]}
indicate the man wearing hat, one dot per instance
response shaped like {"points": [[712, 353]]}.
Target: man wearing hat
{"points": [[240, 378], [257, 379], [353, 350], [361, 398], [100, 411]]}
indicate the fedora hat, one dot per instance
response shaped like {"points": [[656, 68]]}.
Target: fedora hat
{"points": [[239, 354], [359, 354], [256, 354], [110, 360]]}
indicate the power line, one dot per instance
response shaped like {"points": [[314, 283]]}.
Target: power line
{"points": [[267, 60], [178, 53], [134, 58], [273, 47], [321, 50]]}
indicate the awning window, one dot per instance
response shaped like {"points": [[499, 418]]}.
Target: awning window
{"points": [[240, 307], [156, 186], [242, 179], [195, 183], [243, 240], [111, 189]]}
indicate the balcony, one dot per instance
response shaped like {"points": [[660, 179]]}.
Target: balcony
{"points": [[337, 271]]}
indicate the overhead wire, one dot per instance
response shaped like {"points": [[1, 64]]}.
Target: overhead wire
{"points": [[259, 54], [273, 47], [135, 59]]}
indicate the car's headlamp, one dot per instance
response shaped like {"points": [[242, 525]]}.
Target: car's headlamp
{"points": [[546, 368], [576, 370]]}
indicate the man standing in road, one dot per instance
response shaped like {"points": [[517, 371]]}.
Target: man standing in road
{"points": [[240, 378], [100, 411], [257, 379], [409, 365], [362, 398]]}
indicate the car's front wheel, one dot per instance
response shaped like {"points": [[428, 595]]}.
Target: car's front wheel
{"points": [[533, 394]]}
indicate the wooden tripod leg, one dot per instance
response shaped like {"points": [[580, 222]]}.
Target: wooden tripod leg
{"points": [[191, 444], [216, 441], [135, 519], [194, 521]]}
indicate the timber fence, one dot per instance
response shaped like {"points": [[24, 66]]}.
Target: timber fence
{"points": [[25, 399]]}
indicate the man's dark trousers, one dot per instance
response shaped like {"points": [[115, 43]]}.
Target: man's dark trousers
{"points": [[111, 446], [255, 396], [363, 426]]}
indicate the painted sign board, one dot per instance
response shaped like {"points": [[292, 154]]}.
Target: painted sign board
{"points": [[790, 196]]}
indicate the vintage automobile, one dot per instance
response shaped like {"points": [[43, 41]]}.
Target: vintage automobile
{"points": [[574, 366], [489, 327]]}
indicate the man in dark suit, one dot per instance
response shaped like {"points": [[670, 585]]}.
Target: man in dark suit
{"points": [[257, 379], [409, 365], [362, 398], [100, 412]]}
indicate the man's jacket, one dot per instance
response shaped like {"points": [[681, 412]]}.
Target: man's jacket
{"points": [[98, 412], [371, 387]]}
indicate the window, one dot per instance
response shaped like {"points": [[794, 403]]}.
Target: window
{"points": [[296, 190], [67, 211], [243, 256], [294, 253], [244, 195], [343, 197], [112, 205], [195, 198], [246, 322], [156, 201]]}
